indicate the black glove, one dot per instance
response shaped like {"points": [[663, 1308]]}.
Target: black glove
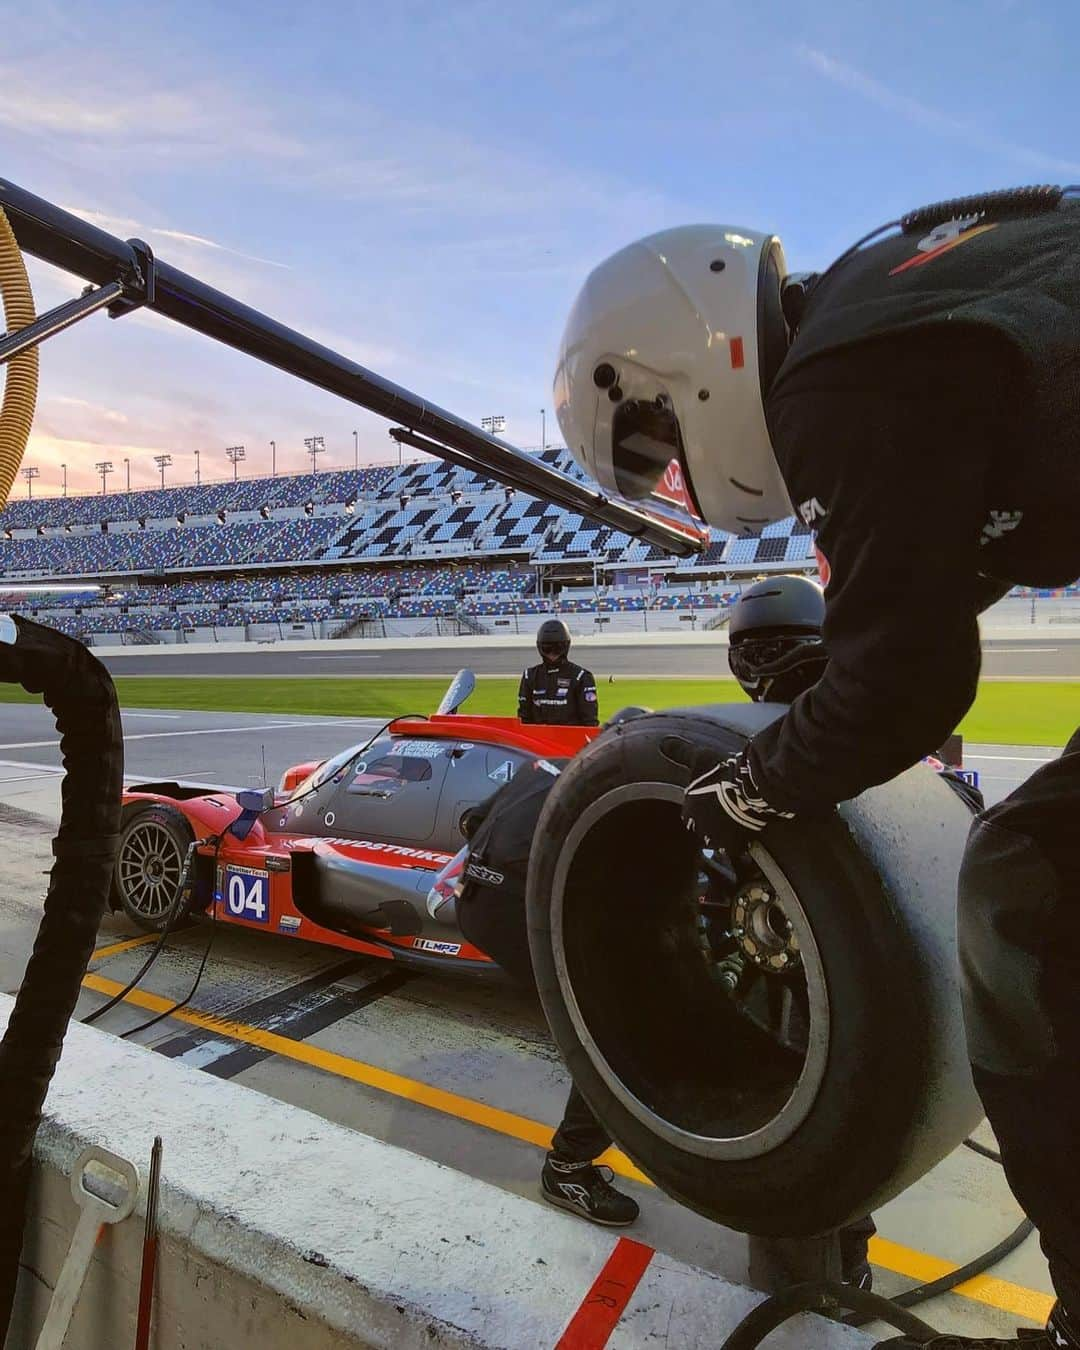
{"points": [[725, 808]]}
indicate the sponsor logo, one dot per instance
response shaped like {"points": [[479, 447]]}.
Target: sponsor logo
{"points": [[396, 850], [422, 749], [943, 239], [812, 510], [590, 695], [289, 923], [999, 525], [503, 773], [487, 875], [824, 567], [441, 948]]}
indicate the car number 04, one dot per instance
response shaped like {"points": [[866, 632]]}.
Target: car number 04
{"points": [[246, 896]]}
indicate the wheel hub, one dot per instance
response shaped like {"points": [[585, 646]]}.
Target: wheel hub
{"points": [[763, 931]]}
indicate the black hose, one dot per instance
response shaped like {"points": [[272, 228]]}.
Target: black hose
{"points": [[982, 1150], [176, 909], [80, 694], [921, 1292], [825, 1297], [168, 1012]]}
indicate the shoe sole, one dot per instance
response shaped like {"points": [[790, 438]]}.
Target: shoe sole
{"points": [[571, 1208]]}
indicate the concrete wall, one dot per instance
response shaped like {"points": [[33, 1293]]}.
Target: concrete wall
{"points": [[283, 1231]]}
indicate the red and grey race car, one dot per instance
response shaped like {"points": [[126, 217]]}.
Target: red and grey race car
{"points": [[349, 848]]}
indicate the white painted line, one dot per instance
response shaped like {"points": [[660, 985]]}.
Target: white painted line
{"points": [[166, 717], [200, 1055], [201, 731], [55, 770], [1008, 650], [356, 657], [1015, 759]]}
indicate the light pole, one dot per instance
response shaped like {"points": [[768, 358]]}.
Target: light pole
{"points": [[163, 462], [198, 479], [64, 467], [104, 467], [315, 446], [235, 454], [356, 449], [273, 459], [543, 430], [30, 473], [127, 469]]}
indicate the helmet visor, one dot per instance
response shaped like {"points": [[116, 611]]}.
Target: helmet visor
{"points": [[645, 439]]}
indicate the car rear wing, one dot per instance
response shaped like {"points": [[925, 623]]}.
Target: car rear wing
{"points": [[125, 275]]}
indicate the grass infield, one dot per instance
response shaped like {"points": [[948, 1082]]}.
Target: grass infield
{"points": [[1004, 713]]}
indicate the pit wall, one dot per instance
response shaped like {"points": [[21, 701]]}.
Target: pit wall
{"points": [[280, 1230]]}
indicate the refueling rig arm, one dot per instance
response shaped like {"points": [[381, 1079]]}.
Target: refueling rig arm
{"points": [[125, 275]]}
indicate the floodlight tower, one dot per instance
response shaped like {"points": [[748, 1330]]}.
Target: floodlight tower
{"points": [[30, 473], [104, 467], [496, 424], [315, 446], [163, 462], [235, 454]]}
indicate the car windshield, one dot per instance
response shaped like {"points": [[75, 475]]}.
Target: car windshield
{"points": [[329, 769]]}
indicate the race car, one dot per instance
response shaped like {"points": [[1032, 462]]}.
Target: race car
{"points": [[345, 851]]}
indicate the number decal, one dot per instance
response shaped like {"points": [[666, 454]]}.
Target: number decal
{"points": [[247, 894]]}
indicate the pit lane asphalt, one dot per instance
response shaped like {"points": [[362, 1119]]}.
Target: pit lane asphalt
{"points": [[1036, 658]]}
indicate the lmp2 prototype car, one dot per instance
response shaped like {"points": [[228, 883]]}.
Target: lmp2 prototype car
{"points": [[350, 847]]}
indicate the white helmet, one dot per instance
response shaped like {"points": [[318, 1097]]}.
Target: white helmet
{"points": [[668, 351]]}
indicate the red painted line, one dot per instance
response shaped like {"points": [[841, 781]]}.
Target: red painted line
{"points": [[738, 359], [921, 258], [606, 1301]]}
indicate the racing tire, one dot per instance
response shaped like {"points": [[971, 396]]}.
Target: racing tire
{"points": [[716, 1113], [149, 862]]}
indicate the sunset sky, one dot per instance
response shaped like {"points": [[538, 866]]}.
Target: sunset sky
{"points": [[425, 186]]}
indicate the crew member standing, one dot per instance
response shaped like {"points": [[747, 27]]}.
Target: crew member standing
{"points": [[555, 692]]}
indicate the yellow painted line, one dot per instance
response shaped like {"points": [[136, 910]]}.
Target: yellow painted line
{"points": [[383, 1080], [1012, 1298], [100, 953]]}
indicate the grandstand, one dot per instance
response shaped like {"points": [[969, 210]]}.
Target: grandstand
{"points": [[410, 548]]}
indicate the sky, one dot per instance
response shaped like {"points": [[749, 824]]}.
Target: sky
{"points": [[424, 186]]}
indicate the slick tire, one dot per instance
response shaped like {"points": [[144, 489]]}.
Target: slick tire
{"points": [[149, 860], [717, 1115]]}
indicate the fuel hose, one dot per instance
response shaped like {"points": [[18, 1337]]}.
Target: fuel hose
{"points": [[79, 692], [20, 386]]}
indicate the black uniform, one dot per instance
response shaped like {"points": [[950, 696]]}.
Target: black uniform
{"points": [[491, 913], [927, 424], [562, 695]]}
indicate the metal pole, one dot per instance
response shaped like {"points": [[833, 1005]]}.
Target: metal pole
{"points": [[64, 467], [273, 459], [127, 468], [543, 430], [63, 316], [356, 449], [198, 479]]}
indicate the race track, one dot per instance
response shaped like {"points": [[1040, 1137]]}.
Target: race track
{"points": [[1048, 659]]}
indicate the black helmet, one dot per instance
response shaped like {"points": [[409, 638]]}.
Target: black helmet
{"points": [[553, 639], [776, 649]]}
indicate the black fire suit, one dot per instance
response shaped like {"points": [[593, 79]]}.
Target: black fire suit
{"points": [[562, 695], [491, 913], [927, 424]]}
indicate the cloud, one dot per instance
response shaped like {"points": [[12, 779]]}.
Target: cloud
{"points": [[925, 115], [127, 227]]}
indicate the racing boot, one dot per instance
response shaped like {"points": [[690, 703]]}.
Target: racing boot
{"points": [[1061, 1334], [585, 1189]]}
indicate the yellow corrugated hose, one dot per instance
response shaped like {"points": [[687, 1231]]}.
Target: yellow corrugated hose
{"points": [[20, 388]]}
